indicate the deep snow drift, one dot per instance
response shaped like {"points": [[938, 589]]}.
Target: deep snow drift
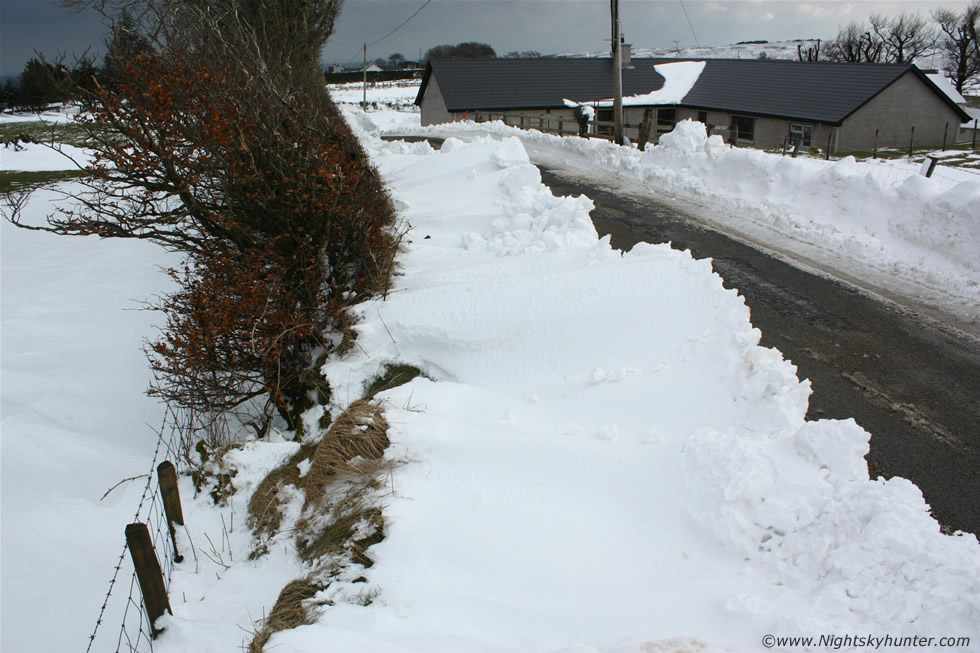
{"points": [[879, 224], [601, 459]]}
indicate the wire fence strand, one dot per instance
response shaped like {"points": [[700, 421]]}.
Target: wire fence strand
{"points": [[135, 630]]}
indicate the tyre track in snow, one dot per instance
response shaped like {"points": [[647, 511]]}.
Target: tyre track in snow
{"points": [[914, 385]]}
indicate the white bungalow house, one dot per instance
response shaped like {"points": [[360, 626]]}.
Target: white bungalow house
{"points": [[755, 103]]}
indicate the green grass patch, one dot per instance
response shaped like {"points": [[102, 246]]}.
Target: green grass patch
{"points": [[12, 181], [392, 376], [40, 131]]}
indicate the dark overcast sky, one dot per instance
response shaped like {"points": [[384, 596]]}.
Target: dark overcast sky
{"points": [[548, 26]]}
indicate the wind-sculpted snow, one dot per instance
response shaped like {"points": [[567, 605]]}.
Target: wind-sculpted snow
{"points": [[602, 455], [880, 222]]}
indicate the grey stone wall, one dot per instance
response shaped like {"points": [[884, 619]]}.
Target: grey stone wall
{"points": [[893, 112], [434, 111]]}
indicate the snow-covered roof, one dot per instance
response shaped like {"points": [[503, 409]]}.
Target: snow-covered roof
{"points": [[823, 92], [974, 114], [944, 85], [679, 78]]}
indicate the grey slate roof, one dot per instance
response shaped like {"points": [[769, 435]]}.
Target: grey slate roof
{"points": [[531, 83], [812, 91]]}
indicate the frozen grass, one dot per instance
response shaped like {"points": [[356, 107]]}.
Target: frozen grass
{"points": [[958, 155], [18, 181], [289, 611], [45, 132], [265, 508]]}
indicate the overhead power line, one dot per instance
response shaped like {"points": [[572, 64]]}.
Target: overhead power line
{"points": [[690, 25], [405, 22]]}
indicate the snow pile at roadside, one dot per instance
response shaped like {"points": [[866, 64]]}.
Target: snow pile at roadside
{"points": [[898, 231], [602, 457]]}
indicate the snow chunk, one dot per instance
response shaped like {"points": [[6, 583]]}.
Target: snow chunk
{"points": [[688, 137], [679, 78]]}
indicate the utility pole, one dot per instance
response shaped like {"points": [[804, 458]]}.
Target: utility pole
{"points": [[364, 96], [617, 55]]}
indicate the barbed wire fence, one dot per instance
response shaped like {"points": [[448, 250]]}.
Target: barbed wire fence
{"points": [[136, 630], [892, 174]]}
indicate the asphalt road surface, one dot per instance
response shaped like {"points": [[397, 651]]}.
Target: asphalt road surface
{"points": [[914, 385]]}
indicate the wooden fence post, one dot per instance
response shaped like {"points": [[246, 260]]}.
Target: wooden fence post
{"points": [[830, 138], [945, 130], [646, 123], [875, 154], [911, 140], [148, 573], [167, 478]]}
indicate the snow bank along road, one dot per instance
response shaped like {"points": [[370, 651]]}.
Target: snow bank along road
{"points": [[908, 380], [910, 384]]}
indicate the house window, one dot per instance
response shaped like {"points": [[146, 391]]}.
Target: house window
{"points": [[800, 132], [604, 115], [743, 128], [666, 119], [703, 117]]}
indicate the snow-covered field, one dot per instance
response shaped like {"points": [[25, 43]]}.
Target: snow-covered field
{"points": [[602, 458], [74, 422]]}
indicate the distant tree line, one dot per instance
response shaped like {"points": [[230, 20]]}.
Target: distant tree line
{"points": [[472, 50], [43, 83], [907, 37], [469, 50]]}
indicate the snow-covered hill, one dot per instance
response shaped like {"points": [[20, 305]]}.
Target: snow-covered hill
{"points": [[746, 50]]}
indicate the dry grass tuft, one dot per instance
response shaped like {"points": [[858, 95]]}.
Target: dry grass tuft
{"points": [[265, 506], [288, 612], [353, 526], [341, 518], [355, 444]]}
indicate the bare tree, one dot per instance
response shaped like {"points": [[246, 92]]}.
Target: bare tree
{"points": [[905, 37], [810, 53], [959, 44], [396, 59], [854, 44]]}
